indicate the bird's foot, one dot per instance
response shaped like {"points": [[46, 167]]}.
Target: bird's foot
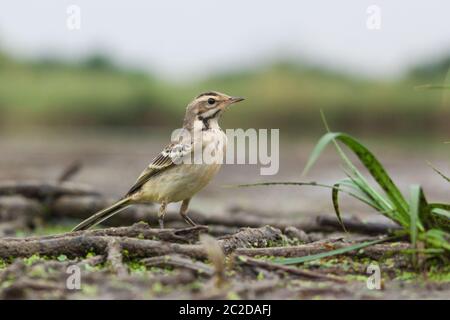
{"points": [[189, 221]]}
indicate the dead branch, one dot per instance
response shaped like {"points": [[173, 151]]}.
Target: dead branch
{"points": [[375, 252], [138, 230], [247, 261], [80, 245]]}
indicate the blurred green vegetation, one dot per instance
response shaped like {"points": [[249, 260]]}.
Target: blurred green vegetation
{"points": [[288, 95]]}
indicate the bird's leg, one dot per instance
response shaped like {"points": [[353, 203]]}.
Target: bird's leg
{"points": [[183, 212], [161, 214]]}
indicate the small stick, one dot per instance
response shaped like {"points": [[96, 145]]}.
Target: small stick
{"points": [[244, 260], [69, 172]]}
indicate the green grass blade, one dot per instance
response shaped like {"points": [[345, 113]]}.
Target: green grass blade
{"points": [[437, 238], [414, 214], [439, 172], [335, 199], [441, 212], [371, 163], [357, 196], [439, 216], [297, 260], [444, 206], [379, 202]]}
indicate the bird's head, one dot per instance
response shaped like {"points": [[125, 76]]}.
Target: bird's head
{"points": [[207, 107]]}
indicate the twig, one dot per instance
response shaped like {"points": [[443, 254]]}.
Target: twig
{"points": [[70, 171], [244, 260]]}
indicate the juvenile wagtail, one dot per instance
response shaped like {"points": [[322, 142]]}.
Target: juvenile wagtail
{"points": [[169, 178]]}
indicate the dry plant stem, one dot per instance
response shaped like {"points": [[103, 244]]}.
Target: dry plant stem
{"points": [[354, 224], [376, 251], [247, 261], [115, 259], [70, 171], [178, 261], [79, 245]]}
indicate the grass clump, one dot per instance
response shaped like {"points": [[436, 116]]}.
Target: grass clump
{"points": [[426, 224], [422, 221]]}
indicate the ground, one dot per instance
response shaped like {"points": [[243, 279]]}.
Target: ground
{"points": [[110, 164]]}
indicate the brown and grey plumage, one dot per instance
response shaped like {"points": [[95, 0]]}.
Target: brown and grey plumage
{"points": [[169, 178]]}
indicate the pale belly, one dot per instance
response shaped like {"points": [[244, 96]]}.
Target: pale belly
{"points": [[177, 183]]}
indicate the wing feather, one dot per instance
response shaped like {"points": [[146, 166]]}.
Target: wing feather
{"points": [[171, 156]]}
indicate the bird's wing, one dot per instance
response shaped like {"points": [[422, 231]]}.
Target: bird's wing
{"points": [[172, 155]]}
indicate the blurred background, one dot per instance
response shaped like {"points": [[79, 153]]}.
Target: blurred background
{"points": [[106, 83]]}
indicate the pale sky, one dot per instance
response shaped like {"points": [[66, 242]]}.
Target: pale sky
{"points": [[179, 38]]}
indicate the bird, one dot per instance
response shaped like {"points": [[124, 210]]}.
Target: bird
{"points": [[179, 171]]}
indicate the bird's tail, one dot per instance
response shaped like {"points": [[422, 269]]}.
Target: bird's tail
{"points": [[103, 215]]}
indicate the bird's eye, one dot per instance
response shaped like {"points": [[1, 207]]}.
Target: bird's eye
{"points": [[211, 101]]}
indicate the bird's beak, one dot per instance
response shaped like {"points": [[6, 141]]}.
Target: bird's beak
{"points": [[235, 99]]}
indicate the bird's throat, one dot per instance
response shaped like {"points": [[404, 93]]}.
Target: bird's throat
{"points": [[210, 121]]}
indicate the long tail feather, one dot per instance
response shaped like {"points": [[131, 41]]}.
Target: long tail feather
{"points": [[103, 215]]}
